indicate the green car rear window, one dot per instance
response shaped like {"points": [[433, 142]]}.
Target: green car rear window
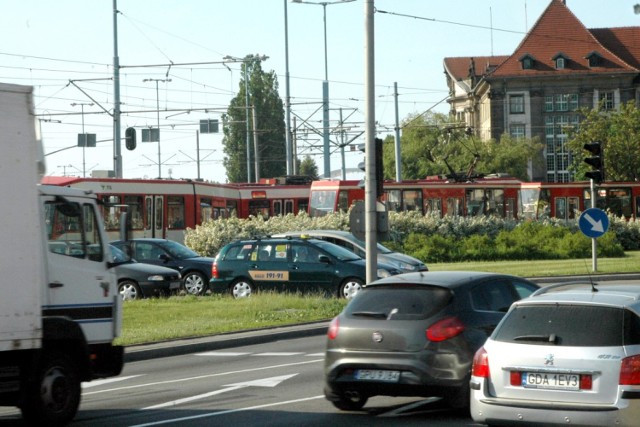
{"points": [[570, 325], [399, 303]]}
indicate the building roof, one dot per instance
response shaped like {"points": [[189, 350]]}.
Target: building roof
{"points": [[558, 32]]}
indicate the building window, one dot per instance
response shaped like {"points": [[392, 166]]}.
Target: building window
{"points": [[562, 102], [516, 104], [606, 100], [560, 63], [548, 103], [594, 58], [517, 131]]}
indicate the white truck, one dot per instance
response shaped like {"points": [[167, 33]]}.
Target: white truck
{"points": [[59, 311]]}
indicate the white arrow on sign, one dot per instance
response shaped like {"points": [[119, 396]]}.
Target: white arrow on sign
{"points": [[595, 225], [266, 382]]}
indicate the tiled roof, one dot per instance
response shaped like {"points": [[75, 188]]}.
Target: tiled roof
{"points": [[459, 67], [559, 31]]}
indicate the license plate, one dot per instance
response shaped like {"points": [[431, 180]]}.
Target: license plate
{"points": [[378, 375], [174, 285], [551, 380]]}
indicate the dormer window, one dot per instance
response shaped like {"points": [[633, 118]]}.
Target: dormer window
{"points": [[561, 61], [594, 58], [527, 62]]}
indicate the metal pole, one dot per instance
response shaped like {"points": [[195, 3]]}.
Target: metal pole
{"points": [[287, 98], [117, 156], [370, 146], [158, 112], [398, 159], [594, 242], [248, 139], [325, 103], [198, 152], [256, 155]]}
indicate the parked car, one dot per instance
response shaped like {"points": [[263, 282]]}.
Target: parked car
{"points": [[569, 354], [415, 334], [402, 262], [194, 269], [289, 264], [137, 280]]}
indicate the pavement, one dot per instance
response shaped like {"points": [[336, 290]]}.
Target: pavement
{"points": [[259, 336]]}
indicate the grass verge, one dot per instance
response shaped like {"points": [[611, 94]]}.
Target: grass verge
{"points": [[161, 319]]}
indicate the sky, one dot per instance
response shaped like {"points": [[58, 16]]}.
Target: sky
{"points": [[65, 49]]}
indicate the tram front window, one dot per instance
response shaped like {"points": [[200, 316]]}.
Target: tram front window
{"points": [[322, 202]]}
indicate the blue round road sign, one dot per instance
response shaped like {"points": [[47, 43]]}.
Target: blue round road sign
{"points": [[593, 222]]}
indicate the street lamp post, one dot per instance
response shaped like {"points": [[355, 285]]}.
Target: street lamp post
{"points": [[84, 135], [245, 61], [158, 112], [325, 85]]}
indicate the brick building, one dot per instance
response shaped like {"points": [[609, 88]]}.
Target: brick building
{"points": [[536, 91]]}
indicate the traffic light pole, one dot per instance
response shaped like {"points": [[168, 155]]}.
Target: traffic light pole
{"points": [[370, 151], [594, 241]]}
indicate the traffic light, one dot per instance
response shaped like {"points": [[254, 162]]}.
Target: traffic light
{"points": [[130, 138], [378, 166], [595, 160]]}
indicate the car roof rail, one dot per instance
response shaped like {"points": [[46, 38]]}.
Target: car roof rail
{"points": [[555, 286]]}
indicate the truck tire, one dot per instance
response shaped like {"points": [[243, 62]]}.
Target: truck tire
{"points": [[54, 396]]}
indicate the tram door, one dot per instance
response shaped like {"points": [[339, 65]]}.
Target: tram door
{"points": [[155, 216]]}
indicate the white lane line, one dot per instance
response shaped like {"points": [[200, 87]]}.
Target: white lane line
{"points": [[315, 355], [220, 353], [277, 354], [96, 383], [230, 411], [220, 374], [266, 382]]}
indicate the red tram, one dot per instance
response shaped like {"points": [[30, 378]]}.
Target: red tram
{"points": [[497, 195], [164, 208]]}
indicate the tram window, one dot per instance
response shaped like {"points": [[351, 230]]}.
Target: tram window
{"points": [[343, 200], [148, 212], [454, 206], [394, 200], [232, 209], [433, 207], [277, 207], [288, 206], [573, 206], [412, 200], [303, 205], [175, 211], [618, 201], [510, 208], [476, 202], [111, 213], [134, 209], [158, 218], [494, 203], [259, 208], [206, 210], [561, 208]]}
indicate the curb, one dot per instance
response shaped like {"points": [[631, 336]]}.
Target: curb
{"points": [[216, 342]]}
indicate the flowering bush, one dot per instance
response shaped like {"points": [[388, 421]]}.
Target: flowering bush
{"points": [[434, 239]]}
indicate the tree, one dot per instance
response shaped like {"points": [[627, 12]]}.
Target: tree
{"points": [[308, 167], [270, 126], [433, 146], [619, 133]]}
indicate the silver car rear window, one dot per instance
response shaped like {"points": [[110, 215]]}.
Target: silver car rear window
{"points": [[569, 325], [399, 303]]}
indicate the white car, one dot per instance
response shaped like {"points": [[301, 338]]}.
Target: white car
{"points": [[567, 355], [404, 263]]}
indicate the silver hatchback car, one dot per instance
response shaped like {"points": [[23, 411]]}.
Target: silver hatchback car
{"points": [[569, 354]]}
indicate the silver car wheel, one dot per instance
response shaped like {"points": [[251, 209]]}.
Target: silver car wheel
{"points": [[241, 289], [194, 283], [350, 288], [128, 290]]}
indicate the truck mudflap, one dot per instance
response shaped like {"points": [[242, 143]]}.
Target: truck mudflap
{"points": [[106, 360]]}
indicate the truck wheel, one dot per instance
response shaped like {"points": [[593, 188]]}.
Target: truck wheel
{"points": [[53, 398], [194, 283], [129, 290]]}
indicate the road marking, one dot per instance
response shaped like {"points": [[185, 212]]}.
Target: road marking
{"points": [[96, 383], [286, 365], [230, 411], [278, 354], [266, 382], [315, 355], [220, 353]]}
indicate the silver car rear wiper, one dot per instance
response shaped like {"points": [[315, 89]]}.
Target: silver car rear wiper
{"points": [[537, 338], [375, 314]]}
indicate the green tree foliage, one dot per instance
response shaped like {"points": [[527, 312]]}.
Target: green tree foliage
{"points": [[619, 132], [270, 125], [308, 167], [433, 146]]}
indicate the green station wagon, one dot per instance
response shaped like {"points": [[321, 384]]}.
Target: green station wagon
{"points": [[289, 265]]}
